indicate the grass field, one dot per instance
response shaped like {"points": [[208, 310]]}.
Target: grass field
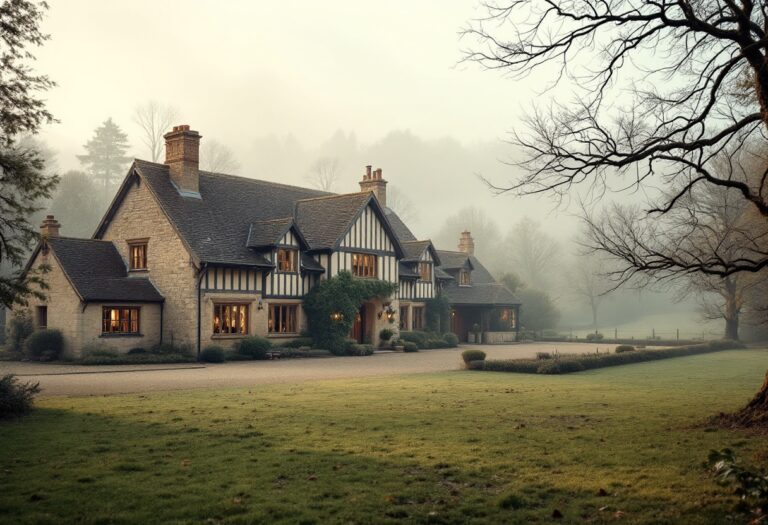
{"points": [[454, 447]]}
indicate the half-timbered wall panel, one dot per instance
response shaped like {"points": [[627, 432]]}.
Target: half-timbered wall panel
{"points": [[386, 265], [367, 233], [221, 279], [426, 289]]}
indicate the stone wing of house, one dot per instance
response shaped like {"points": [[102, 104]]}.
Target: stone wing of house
{"points": [[225, 257]]}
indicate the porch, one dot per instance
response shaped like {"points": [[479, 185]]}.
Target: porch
{"points": [[497, 324]]}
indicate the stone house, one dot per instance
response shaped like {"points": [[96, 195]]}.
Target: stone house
{"points": [[191, 257]]}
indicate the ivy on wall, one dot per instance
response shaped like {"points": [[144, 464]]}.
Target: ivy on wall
{"points": [[438, 314], [332, 305]]}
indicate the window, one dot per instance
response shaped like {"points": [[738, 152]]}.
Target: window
{"points": [[137, 253], [287, 260], [363, 265], [418, 318], [42, 317], [283, 319], [230, 318], [425, 271], [120, 320], [403, 318], [464, 279]]}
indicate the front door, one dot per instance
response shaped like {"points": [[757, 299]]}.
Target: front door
{"points": [[358, 328]]}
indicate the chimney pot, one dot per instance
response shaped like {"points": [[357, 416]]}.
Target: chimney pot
{"points": [[467, 243], [182, 156], [373, 182], [50, 227]]}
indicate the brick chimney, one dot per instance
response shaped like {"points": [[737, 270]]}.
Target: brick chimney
{"points": [[466, 243], [182, 156], [373, 181], [50, 227]]}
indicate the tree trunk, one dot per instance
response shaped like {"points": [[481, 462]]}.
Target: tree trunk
{"points": [[731, 310], [755, 414], [732, 328]]}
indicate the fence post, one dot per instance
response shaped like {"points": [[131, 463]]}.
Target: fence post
{"points": [[615, 333], [678, 334], [653, 330]]}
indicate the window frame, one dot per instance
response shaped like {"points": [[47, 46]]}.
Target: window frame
{"points": [[41, 316], [465, 277], [293, 259], [417, 318], [138, 244], [361, 268], [422, 266], [283, 309], [107, 320], [403, 321], [220, 308]]}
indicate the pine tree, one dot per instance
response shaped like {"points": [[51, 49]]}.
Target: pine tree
{"points": [[105, 159], [23, 181]]}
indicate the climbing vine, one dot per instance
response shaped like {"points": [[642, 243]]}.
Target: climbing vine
{"points": [[332, 305]]}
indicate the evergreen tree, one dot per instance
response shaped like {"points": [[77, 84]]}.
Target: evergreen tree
{"points": [[78, 205], [105, 159], [23, 181]]}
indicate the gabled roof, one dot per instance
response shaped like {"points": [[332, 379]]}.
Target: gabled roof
{"points": [[452, 260], [265, 234], [325, 221], [442, 275], [404, 271], [309, 264], [486, 294], [401, 230], [97, 271], [414, 249]]}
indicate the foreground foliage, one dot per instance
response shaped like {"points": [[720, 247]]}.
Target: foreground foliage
{"points": [[15, 397], [749, 485], [434, 448]]}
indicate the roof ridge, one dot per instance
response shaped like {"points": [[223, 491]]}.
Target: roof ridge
{"points": [[251, 179], [287, 218], [67, 238], [334, 196]]}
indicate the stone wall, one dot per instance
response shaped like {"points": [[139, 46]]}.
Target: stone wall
{"points": [[149, 327], [169, 264]]}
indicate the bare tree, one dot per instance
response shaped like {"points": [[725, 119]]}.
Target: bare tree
{"points": [[589, 281], [696, 75], [154, 120], [532, 253], [323, 173], [484, 230], [399, 202], [217, 157]]}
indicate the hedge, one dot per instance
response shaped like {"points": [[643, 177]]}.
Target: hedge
{"points": [[136, 359], [566, 364]]}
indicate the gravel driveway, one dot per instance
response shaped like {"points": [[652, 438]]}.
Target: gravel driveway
{"points": [[74, 380]]}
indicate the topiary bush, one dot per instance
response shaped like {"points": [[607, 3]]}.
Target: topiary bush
{"points": [[472, 355], [212, 354], [16, 398], [44, 345], [451, 340], [409, 346], [624, 348], [331, 307], [254, 347], [386, 334]]}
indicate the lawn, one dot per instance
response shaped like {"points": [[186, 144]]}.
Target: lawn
{"points": [[623, 444]]}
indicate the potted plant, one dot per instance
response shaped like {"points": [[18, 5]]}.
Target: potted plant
{"points": [[475, 336], [385, 335]]}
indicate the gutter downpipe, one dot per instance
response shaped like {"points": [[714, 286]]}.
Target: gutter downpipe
{"points": [[203, 271]]}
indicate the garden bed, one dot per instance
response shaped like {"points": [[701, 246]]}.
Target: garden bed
{"points": [[565, 364]]}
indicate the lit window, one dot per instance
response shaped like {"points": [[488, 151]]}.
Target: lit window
{"points": [[137, 252], [363, 265], [230, 319], [464, 279], [283, 319], [120, 320], [418, 317], [287, 260], [425, 271]]}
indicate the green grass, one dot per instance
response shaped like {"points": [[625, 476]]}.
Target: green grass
{"points": [[439, 448]]}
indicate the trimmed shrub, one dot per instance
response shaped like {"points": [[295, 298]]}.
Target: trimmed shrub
{"points": [[16, 398], [418, 337], [476, 365], [543, 355], [451, 340], [297, 343], [472, 355], [20, 327], [386, 334], [560, 366], [254, 347], [98, 349], [44, 345], [409, 346], [359, 350], [212, 354], [311, 352], [136, 359], [624, 348], [522, 366]]}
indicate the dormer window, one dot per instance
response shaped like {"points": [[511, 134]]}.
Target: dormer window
{"points": [[137, 254], [425, 271], [287, 260], [464, 278]]}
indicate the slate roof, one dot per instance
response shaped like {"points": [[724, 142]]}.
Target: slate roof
{"points": [[452, 260], [98, 273], [401, 230], [483, 291], [405, 271], [262, 234], [323, 220]]}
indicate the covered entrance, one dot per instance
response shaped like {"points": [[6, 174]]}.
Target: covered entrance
{"points": [[359, 327]]}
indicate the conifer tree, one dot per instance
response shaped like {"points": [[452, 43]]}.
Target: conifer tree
{"points": [[105, 159]]}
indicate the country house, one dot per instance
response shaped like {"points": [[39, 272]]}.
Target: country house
{"points": [[191, 257]]}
